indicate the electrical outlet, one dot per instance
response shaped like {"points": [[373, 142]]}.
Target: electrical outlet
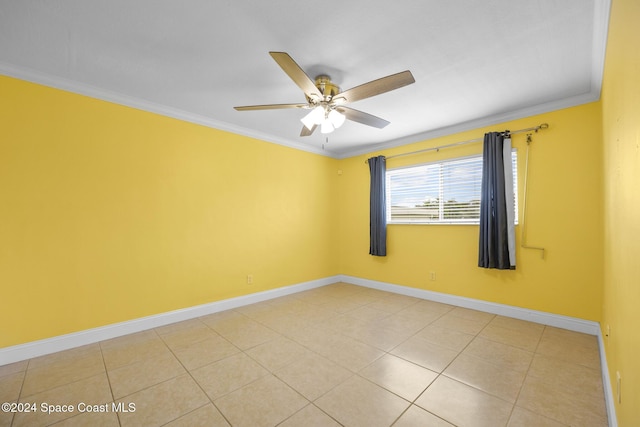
{"points": [[250, 279], [432, 276]]}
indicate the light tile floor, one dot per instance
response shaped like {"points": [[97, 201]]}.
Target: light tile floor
{"points": [[336, 355]]}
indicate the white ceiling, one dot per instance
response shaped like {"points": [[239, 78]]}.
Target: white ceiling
{"points": [[475, 63]]}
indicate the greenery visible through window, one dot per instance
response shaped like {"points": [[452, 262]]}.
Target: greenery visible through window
{"points": [[442, 192]]}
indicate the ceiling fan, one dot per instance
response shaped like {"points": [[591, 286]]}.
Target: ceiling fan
{"points": [[327, 102]]}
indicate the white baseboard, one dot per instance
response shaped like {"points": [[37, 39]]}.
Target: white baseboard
{"points": [[606, 384], [559, 321], [64, 342], [89, 336], [549, 319]]}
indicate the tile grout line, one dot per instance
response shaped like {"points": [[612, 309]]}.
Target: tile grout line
{"points": [[24, 378], [334, 314], [106, 371], [244, 351], [388, 353], [159, 336], [194, 380], [526, 375], [477, 335], [442, 374]]}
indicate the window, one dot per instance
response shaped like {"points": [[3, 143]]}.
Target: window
{"points": [[446, 192]]}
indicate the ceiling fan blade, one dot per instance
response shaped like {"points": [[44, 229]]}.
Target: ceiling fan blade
{"points": [[270, 107], [307, 132], [376, 87], [296, 74], [362, 117]]}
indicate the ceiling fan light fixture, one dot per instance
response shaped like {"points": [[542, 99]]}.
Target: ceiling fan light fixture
{"points": [[314, 118], [336, 118], [326, 127]]}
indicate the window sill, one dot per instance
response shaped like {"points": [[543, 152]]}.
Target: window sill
{"points": [[433, 223]]}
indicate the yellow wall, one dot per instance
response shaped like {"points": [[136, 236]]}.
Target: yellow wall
{"points": [[564, 215], [108, 213], [621, 135]]}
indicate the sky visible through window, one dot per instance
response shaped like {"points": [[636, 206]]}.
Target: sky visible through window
{"points": [[419, 185], [409, 189], [446, 191]]}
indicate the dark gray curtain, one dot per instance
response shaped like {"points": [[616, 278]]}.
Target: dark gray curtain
{"points": [[494, 251], [378, 207]]}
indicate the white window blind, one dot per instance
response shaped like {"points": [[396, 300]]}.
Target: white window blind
{"points": [[446, 192]]}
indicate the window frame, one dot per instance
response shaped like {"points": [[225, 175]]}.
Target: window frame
{"points": [[442, 220]]}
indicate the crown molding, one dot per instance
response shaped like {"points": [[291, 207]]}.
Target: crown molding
{"points": [[601, 27], [496, 119], [67, 85], [148, 106]]}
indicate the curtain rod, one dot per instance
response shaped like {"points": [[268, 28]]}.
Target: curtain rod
{"points": [[534, 129]]}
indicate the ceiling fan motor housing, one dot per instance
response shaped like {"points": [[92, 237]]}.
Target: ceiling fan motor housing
{"points": [[326, 87]]}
